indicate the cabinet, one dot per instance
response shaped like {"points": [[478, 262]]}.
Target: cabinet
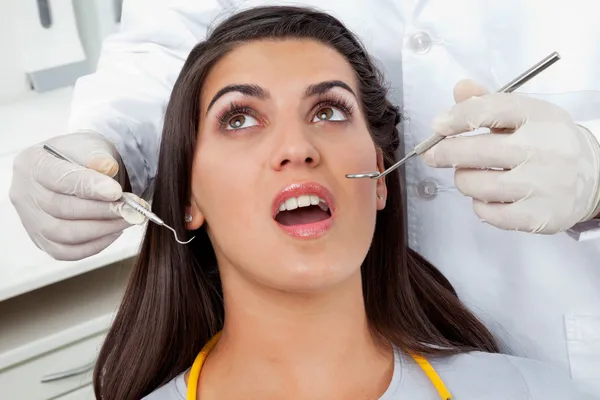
{"points": [[50, 337]]}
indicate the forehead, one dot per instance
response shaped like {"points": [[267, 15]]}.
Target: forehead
{"points": [[290, 64]]}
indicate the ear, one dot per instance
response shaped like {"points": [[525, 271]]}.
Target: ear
{"points": [[197, 217], [381, 187]]}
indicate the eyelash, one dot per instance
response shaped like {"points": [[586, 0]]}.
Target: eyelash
{"points": [[234, 110], [330, 100], [336, 101]]}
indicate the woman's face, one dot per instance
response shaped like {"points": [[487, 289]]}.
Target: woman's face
{"points": [[280, 127]]}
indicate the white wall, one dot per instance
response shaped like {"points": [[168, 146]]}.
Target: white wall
{"points": [[12, 81], [78, 28]]}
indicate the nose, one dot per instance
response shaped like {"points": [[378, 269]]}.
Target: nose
{"points": [[295, 148]]}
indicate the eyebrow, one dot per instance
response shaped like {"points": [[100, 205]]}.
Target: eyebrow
{"points": [[260, 93], [324, 87], [248, 90]]}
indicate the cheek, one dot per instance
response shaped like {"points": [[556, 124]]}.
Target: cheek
{"points": [[222, 194], [356, 156], [225, 192], [235, 217], [358, 205], [364, 205], [357, 153]]}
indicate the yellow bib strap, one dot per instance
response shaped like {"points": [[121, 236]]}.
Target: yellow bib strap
{"points": [[433, 377], [194, 377]]}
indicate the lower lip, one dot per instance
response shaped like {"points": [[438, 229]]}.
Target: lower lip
{"points": [[308, 231]]}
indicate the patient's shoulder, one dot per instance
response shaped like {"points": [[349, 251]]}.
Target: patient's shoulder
{"points": [[175, 389], [485, 375]]}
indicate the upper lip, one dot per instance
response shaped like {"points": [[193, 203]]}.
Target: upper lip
{"points": [[299, 189]]}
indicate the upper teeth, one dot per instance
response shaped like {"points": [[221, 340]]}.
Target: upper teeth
{"points": [[303, 201]]}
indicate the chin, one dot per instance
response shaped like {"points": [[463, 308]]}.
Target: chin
{"points": [[313, 277]]}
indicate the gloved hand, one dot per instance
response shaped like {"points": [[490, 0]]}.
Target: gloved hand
{"points": [[550, 180], [67, 210]]}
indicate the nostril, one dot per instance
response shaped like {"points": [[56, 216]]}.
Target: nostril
{"points": [[307, 160]]}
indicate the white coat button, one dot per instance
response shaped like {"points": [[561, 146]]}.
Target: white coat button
{"points": [[420, 42], [427, 189]]}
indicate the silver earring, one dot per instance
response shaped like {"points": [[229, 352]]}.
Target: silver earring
{"points": [[379, 196], [187, 218]]}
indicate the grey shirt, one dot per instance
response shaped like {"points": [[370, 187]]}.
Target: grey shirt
{"points": [[468, 376]]}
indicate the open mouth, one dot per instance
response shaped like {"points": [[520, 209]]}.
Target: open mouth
{"points": [[304, 210]]}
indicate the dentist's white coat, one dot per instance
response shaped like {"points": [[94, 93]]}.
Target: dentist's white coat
{"points": [[540, 294]]}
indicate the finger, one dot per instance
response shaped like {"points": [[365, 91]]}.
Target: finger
{"points": [[70, 252], [67, 207], [75, 232], [512, 216], [498, 110], [63, 177], [467, 88], [89, 149], [104, 164], [479, 151], [489, 186]]}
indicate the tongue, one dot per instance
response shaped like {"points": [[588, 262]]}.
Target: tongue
{"points": [[301, 216]]}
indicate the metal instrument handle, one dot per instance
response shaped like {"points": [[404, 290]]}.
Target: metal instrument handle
{"points": [[428, 143]]}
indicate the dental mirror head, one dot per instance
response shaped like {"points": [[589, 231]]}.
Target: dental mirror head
{"points": [[372, 175]]}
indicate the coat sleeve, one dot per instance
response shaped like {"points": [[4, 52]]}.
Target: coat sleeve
{"points": [[588, 230], [125, 98]]}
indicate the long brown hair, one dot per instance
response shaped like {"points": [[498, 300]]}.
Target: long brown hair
{"points": [[173, 304]]}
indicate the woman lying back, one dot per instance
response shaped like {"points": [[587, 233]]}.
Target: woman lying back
{"points": [[299, 283]]}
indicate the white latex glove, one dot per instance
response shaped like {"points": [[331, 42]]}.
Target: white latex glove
{"points": [[69, 211], [551, 165]]}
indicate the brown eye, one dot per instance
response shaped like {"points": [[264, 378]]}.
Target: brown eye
{"points": [[325, 114], [237, 121], [329, 114], [241, 121]]}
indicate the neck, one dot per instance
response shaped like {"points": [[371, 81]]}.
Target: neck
{"points": [[313, 342], [293, 327]]}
